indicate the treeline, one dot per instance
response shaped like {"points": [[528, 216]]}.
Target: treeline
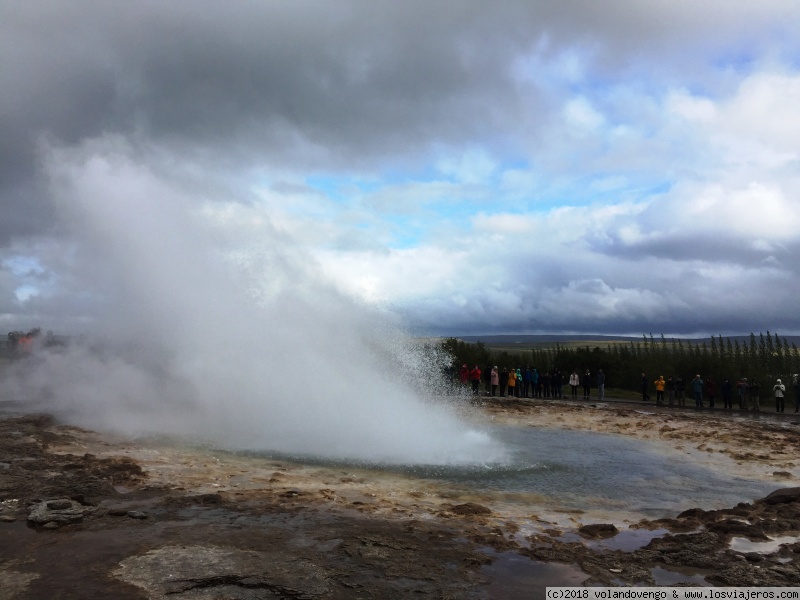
{"points": [[764, 356]]}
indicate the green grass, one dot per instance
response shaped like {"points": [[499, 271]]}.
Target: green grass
{"points": [[623, 394], [523, 347]]}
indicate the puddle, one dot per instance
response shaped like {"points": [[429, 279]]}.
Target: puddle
{"points": [[517, 577], [627, 540], [677, 576], [740, 544]]}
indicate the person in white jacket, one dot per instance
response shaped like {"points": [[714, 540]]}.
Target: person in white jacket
{"points": [[574, 382], [778, 390]]}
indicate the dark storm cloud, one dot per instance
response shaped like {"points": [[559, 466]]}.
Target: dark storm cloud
{"points": [[700, 314], [714, 245], [348, 76], [301, 83], [293, 83]]}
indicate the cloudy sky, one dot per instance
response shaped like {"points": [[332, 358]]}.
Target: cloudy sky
{"points": [[474, 167]]}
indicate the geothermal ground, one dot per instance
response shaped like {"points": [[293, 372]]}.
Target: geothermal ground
{"points": [[87, 515]]}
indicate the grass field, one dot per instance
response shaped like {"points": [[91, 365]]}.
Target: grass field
{"points": [[520, 347], [516, 344]]}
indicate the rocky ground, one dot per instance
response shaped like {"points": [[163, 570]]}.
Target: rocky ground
{"points": [[84, 515]]}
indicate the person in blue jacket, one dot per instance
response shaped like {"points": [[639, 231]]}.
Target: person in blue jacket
{"points": [[697, 391]]}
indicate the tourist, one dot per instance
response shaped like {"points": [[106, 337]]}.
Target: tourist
{"points": [[487, 380], [586, 382], [556, 382], [697, 391], [526, 381], [727, 393], [463, 375], [495, 380], [645, 395], [518, 389], [545, 379], [601, 384], [25, 344], [670, 387], [711, 392], [503, 381], [743, 388], [796, 394], [512, 382], [778, 389], [536, 384], [475, 376], [574, 382], [660, 385], [680, 388], [753, 395]]}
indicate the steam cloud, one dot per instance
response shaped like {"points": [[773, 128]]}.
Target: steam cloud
{"points": [[207, 321]]}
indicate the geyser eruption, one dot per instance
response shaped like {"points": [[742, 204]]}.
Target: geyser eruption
{"points": [[213, 324]]}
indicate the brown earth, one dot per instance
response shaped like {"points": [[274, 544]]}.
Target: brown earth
{"points": [[85, 515]]}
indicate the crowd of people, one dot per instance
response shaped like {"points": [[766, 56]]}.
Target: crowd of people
{"points": [[746, 394], [19, 343], [530, 383]]}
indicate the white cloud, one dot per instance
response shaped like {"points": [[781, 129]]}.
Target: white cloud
{"points": [[470, 167], [503, 224], [396, 275], [582, 116], [764, 109], [681, 104], [595, 298]]}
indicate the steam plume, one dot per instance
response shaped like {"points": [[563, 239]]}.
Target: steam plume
{"points": [[209, 322]]}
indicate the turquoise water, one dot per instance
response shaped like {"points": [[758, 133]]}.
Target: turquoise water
{"points": [[590, 470], [579, 470], [583, 470]]}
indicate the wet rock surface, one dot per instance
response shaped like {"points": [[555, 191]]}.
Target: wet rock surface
{"points": [[34, 472], [214, 572], [598, 530], [77, 523], [149, 541], [59, 512], [470, 509]]}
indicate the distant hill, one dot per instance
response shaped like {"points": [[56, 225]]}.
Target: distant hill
{"points": [[522, 341], [538, 339], [515, 343]]}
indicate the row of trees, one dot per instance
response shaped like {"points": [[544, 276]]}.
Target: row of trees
{"points": [[764, 357]]}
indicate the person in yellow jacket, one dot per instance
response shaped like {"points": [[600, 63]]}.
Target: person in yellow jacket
{"points": [[660, 385], [512, 382]]}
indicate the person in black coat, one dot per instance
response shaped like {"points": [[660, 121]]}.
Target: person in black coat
{"points": [[796, 394], [726, 389], [586, 382], [670, 387], [680, 388]]}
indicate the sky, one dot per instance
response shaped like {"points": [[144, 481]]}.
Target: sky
{"points": [[468, 167]]}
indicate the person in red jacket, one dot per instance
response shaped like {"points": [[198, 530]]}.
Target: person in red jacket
{"points": [[475, 377], [463, 374]]}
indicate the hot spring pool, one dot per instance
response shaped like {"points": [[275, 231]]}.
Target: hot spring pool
{"points": [[581, 471], [591, 470]]}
